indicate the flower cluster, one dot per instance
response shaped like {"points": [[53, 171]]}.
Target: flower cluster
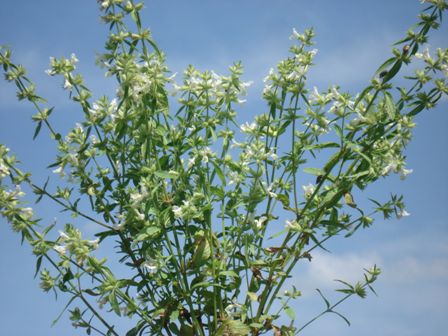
{"points": [[70, 242]]}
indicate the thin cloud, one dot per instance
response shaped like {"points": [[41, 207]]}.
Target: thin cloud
{"points": [[325, 268], [352, 63]]}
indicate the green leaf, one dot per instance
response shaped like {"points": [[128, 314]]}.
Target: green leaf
{"points": [[389, 105], [219, 172], [153, 231], [314, 171], [38, 128], [186, 330], [290, 312], [114, 303], [275, 235], [202, 251], [231, 274], [284, 199], [332, 162], [38, 264], [63, 310], [48, 228], [67, 276], [339, 131], [345, 283], [151, 42], [327, 303], [349, 200], [385, 65], [272, 110], [206, 284], [218, 192], [393, 71], [91, 292], [341, 316], [417, 110], [166, 174], [256, 325], [363, 93], [234, 327], [252, 296], [174, 328]]}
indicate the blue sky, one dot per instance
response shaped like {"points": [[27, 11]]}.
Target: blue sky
{"points": [[353, 38]]}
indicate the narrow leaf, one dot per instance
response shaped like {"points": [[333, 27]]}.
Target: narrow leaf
{"points": [[341, 316], [327, 303]]}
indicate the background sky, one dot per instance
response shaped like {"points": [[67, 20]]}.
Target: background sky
{"points": [[353, 38]]}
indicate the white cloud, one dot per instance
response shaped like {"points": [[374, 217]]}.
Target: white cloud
{"points": [[412, 270], [402, 261], [351, 63], [325, 268]]}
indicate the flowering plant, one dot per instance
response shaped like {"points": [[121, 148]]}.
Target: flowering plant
{"points": [[210, 218]]}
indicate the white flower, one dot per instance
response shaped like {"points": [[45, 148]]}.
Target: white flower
{"points": [[267, 90], [94, 243], [60, 249], [140, 216], [113, 104], [67, 84], [105, 4], [177, 211], [78, 127], [260, 221], [248, 128], [270, 192], [235, 177], [308, 189], [335, 107], [27, 212], [4, 171], [335, 93], [63, 236], [314, 96], [237, 144], [404, 172], [139, 197], [73, 59], [295, 35], [206, 153], [191, 162], [150, 266], [17, 193], [246, 84], [291, 224], [94, 109], [272, 154], [94, 139], [424, 55], [59, 170], [269, 76], [119, 226], [233, 308], [297, 73], [403, 213], [392, 166]]}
